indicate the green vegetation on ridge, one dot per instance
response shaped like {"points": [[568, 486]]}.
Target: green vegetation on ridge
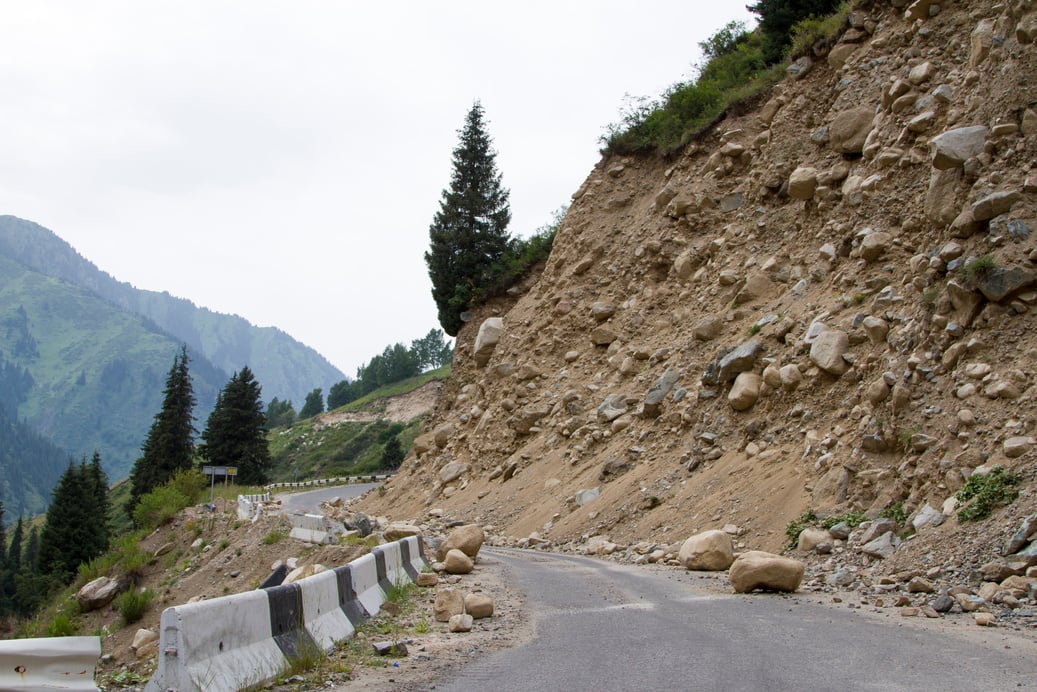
{"points": [[739, 65]]}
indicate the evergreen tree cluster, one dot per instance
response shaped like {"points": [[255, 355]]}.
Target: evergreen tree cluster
{"points": [[394, 364], [235, 434], [279, 414], [77, 530], [468, 235]]}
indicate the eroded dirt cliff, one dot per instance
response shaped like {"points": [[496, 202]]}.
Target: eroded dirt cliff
{"points": [[824, 302]]}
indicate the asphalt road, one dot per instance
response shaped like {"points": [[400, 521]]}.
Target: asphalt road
{"points": [[310, 500], [602, 626]]}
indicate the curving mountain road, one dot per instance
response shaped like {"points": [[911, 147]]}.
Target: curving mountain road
{"points": [[602, 626], [309, 501]]}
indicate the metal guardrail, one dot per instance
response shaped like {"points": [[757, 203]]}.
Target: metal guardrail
{"points": [[49, 663], [322, 482]]}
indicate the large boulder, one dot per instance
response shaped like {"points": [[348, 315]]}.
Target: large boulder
{"points": [[759, 570], [98, 593], [745, 392], [707, 551], [397, 530], [828, 349], [478, 605], [468, 539], [456, 562], [850, 129], [449, 602], [487, 339], [952, 148]]}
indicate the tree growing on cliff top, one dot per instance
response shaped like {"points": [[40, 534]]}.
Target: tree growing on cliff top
{"points": [[468, 235], [777, 17]]}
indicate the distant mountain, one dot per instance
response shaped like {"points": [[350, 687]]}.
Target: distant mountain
{"points": [[84, 373], [285, 368], [83, 361]]}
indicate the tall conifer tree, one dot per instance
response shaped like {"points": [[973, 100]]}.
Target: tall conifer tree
{"points": [[169, 446], [235, 434], [469, 233]]}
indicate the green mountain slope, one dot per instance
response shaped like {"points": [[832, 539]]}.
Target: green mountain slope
{"points": [[29, 465], [286, 368], [97, 371]]}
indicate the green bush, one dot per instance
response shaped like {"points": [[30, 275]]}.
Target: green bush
{"points": [[896, 512], [133, 604], [851, 519], [734, 72], [159, 506], [796, 526], [986, 493], [62, 626]]}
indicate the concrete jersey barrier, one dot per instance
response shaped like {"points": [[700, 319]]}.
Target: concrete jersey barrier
{"points": [[315, 528], [246, 639], [251, 506], [49, 663]]}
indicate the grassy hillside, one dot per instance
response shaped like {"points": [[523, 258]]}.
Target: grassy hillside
{"points": [[349, 440]]}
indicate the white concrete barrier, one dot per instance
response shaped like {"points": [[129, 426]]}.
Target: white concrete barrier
{"points": [[49, 663], [246, 639], [315, 528], [251, 506]]}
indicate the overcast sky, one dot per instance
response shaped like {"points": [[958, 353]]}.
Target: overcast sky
{"points": [[283, 161]]}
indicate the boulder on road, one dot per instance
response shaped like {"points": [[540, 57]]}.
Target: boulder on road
{"points": [[456, 562], [759, 570], [707, 551], [449, 602], [468, 539]]}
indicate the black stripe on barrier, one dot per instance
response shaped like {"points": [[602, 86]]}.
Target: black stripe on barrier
{"points": [[286, 621], [421, 548], [405, 554], [383, 573], [348, 602], [275, 578]]}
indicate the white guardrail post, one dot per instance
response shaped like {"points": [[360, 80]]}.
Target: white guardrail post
{"points": [[49, 663], [247, 639]]}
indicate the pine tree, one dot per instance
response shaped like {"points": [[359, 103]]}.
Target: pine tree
{"points": [[392, 454], [169, 446], [66, 537], [14, 555], [235, 434], [313, 405], [777, 17], [468, 234], [100, 503]]}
